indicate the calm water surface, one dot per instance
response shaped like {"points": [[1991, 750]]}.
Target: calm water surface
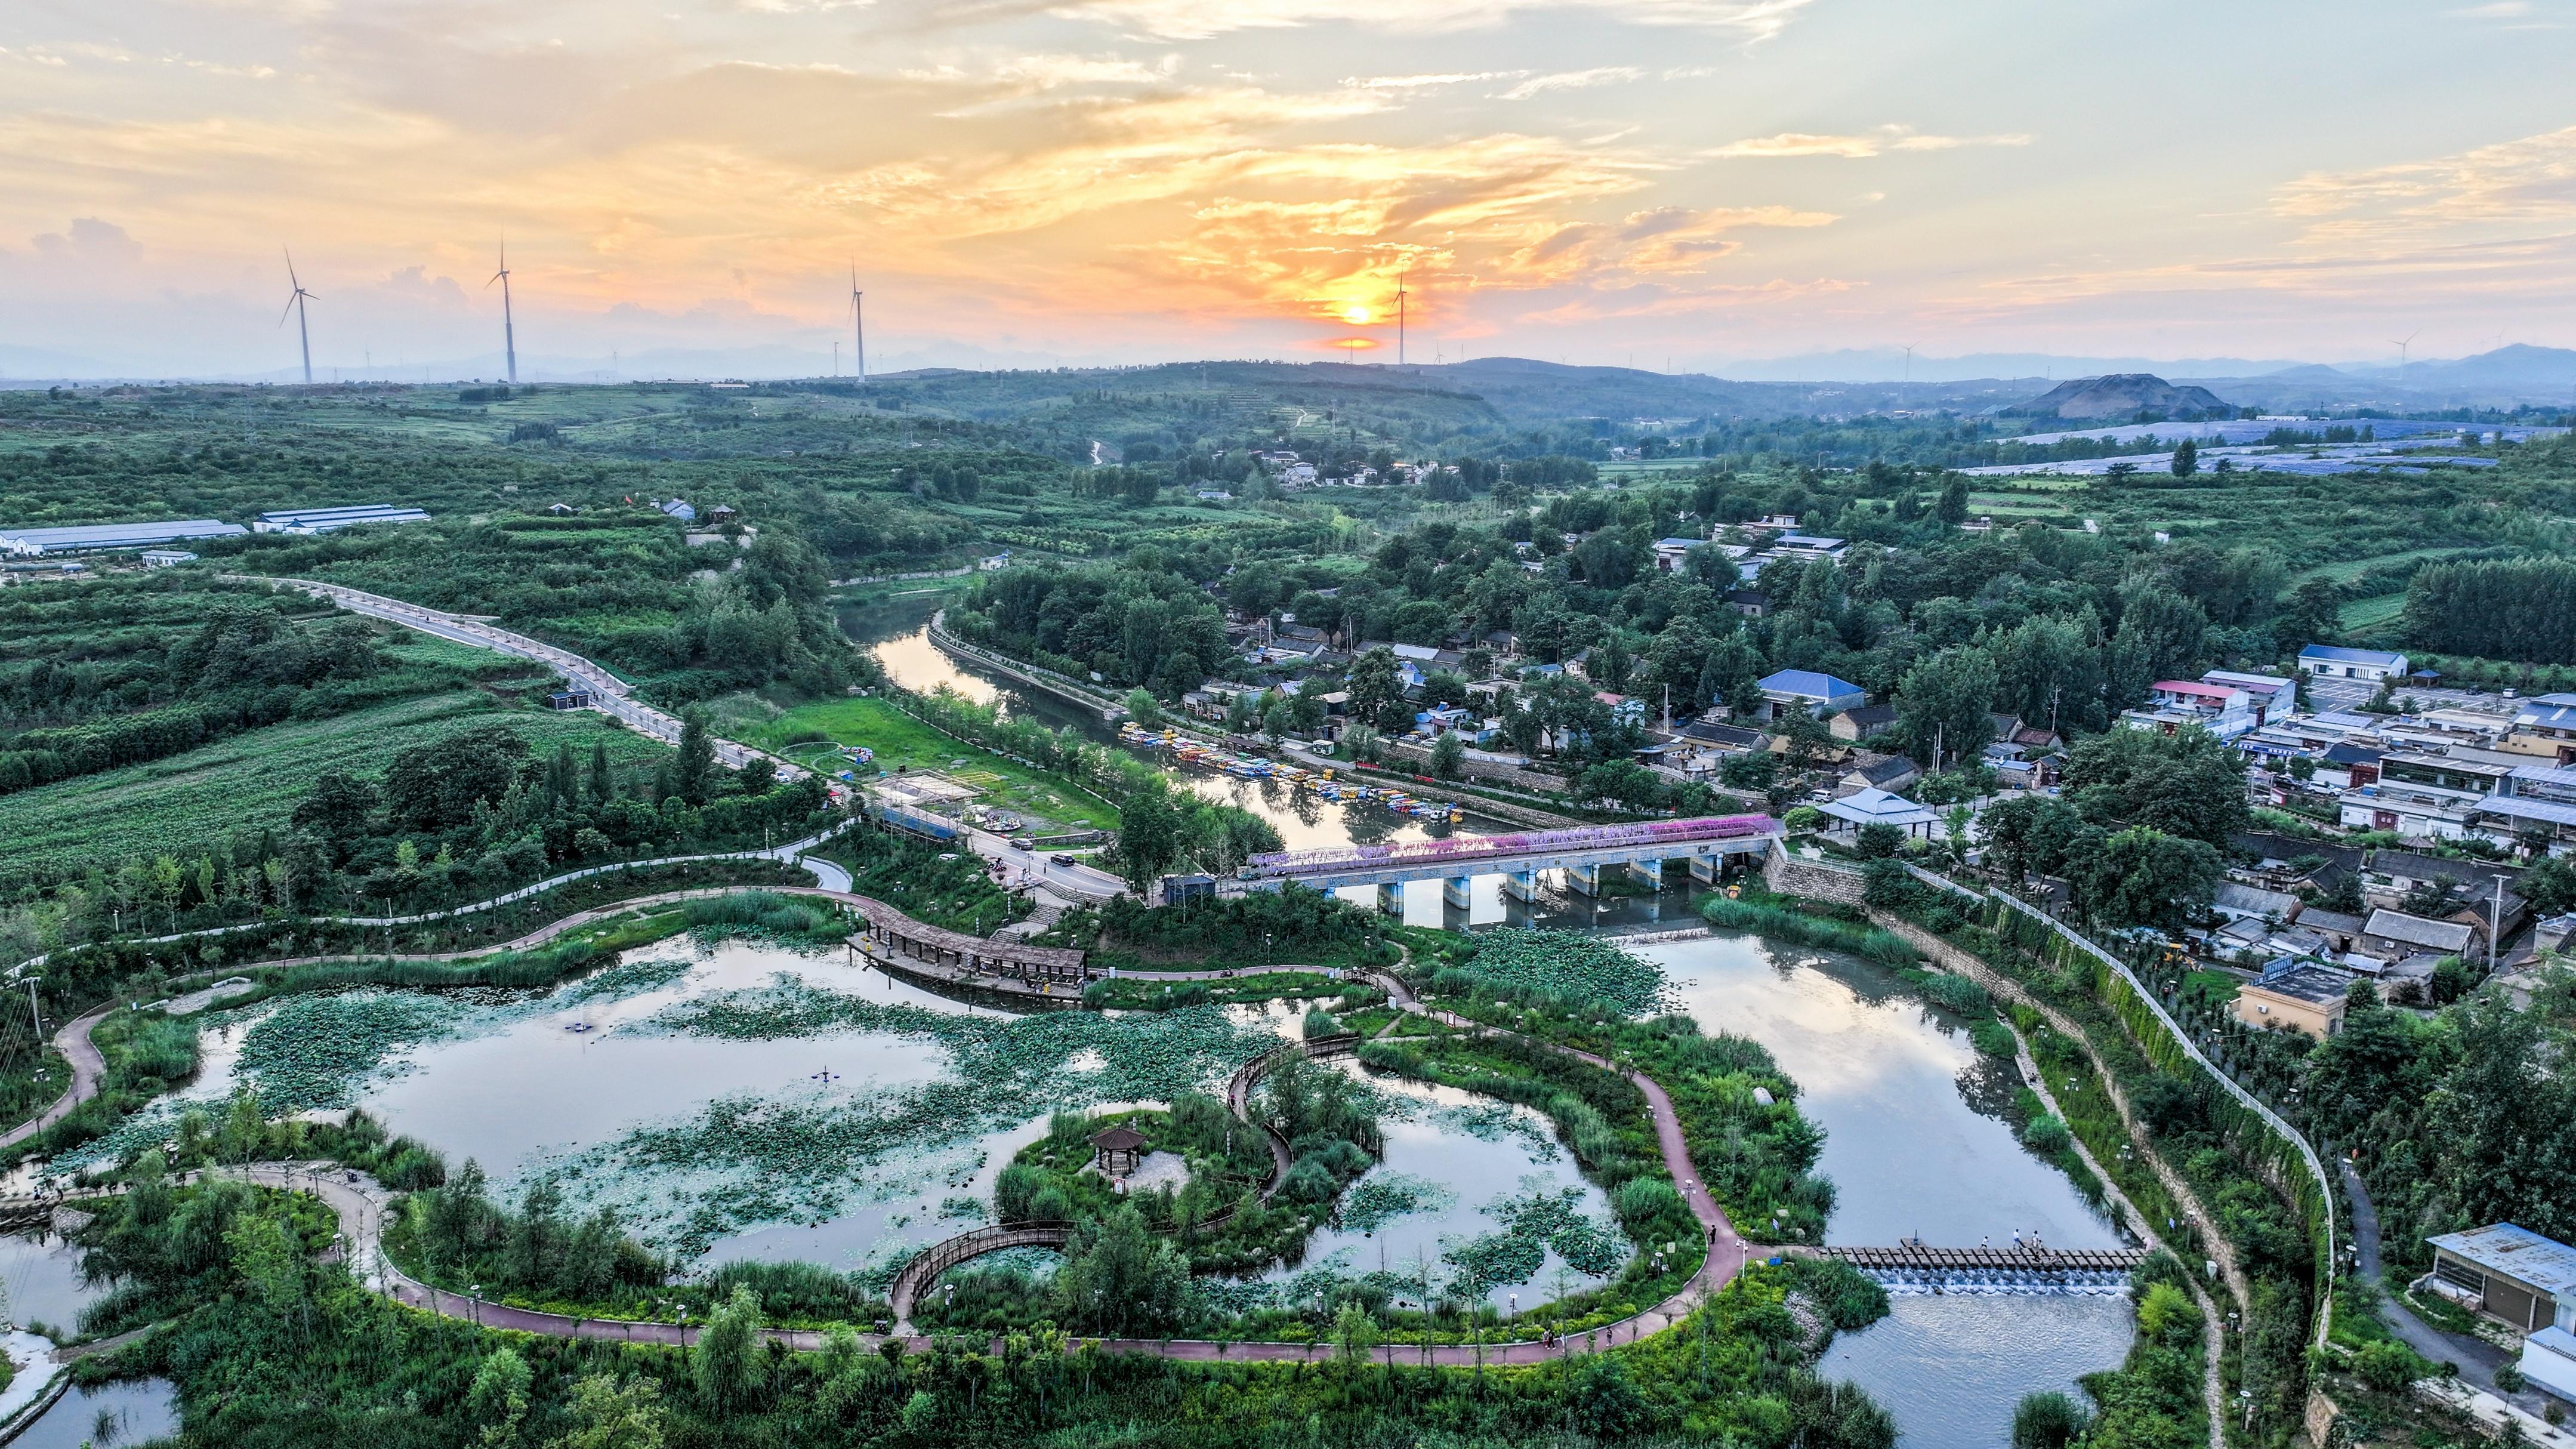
{"points": [[41, 1274], [1470, 1171], [1951, 1368], [129, 1412]]}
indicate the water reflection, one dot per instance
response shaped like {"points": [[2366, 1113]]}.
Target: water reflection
{"points": [[1454, 1152], [41, 1274], [1882, 1073], [129, 1412], [1951, 1369]]}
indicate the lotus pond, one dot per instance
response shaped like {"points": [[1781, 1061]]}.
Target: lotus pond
{"points": [[730, 1098], [1470, 1187]]}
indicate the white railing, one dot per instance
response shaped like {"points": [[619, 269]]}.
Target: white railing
{"points": [[2290, 1134]]}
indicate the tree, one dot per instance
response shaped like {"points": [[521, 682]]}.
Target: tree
{"points": [[730, 1363], [1952, 509], [1946, 703], [1149, 837], [2048, 1420], [603, 783], [1377, 692], [613, 1413], [338, 808], [694, 768], [2189, 783], [1448, 756], [1144, 708], [1879, 840], [2144, 877], [499, 1399], [1118, 1278], [2186, 459]]}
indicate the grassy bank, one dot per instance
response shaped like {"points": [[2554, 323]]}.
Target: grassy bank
{"points": [[1781, 918], [903, 742]]}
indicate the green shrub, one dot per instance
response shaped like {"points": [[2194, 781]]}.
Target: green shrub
{"points": [[1992, 1038], [1959, 994], [2046, 1135]]}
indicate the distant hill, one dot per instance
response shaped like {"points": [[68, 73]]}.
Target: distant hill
{"points": [[2122, 396], [2521, 367]]}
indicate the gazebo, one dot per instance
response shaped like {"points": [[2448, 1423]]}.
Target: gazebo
{"points": [[1117, 1149]]}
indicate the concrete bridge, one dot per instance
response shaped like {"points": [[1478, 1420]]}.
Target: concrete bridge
{"points": [[1582, 853]]}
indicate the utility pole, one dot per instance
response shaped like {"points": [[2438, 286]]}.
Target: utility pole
{"points": [[2495, 924]]}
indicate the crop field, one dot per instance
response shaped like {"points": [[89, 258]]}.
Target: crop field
{"points": [[2345, 570], [900, 742], [2362, 616], [251, 780]]}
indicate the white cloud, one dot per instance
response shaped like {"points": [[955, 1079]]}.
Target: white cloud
{"points": [[1877, 142], [1426, 82], [1046, 72], [1571, 80], [1200, 19]]}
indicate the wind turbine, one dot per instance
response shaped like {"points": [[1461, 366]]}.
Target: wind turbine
{"points": [[859, 324], [1400, 275], [2401, 353], [295, 303], [509, 330]]}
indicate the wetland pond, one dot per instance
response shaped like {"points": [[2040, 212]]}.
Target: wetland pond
{"points": [[1916, 1145]]}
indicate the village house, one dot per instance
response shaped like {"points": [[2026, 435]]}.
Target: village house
{"points": [[1854, 813], [1861, 721], [2294, 997], [1869, 771], [2372, 666], [2513, 1275], [1791, 690]]}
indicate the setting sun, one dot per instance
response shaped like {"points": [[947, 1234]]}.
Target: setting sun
{"points": [[1355, 314]]}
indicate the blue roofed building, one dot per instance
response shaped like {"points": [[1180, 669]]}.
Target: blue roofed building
{"points": [[1816, 693], [2328, 661]]}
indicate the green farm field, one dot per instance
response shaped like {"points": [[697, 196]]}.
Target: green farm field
{"points": [[251, 780], [900, 742]]}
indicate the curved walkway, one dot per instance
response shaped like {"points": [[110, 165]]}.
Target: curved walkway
{"points": [[1951, 958], [360, 1204], [88, 1065]]}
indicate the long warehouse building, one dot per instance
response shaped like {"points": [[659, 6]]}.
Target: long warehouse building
{"points": [[103, 537], [324, 520]]}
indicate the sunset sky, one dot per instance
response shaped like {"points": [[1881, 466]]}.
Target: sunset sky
{"points": [[1673, 182]]}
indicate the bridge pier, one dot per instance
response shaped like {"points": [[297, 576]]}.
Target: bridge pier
{"points": [[1390, 898], [1706, 868], [1521, 885], [1648, 872], [1583, 880], [1458, 893]]}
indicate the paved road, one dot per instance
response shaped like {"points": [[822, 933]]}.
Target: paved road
{"points": [[88, 1066], [609, 694], [2477, 1358]]}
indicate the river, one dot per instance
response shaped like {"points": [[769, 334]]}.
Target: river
{"points": [[1916, 1141]]}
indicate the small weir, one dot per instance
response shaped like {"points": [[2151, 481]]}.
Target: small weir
{"points": [[2023, 1268]]}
